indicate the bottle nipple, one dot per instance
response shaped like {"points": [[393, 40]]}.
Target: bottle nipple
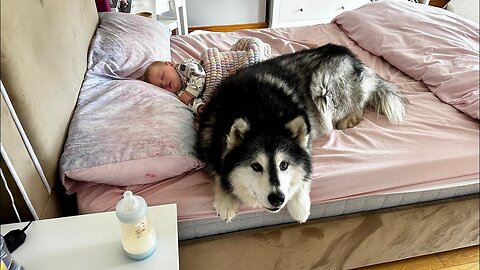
{"points": [[127, 194], [130, 202]]}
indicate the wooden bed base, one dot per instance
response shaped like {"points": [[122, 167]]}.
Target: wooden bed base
{"points": [[343, 242]]}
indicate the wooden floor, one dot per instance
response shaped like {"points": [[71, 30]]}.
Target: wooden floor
{"points": [[461, 259]]}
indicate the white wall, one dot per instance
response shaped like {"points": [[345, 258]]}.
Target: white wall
{"points": [[225, 12]]}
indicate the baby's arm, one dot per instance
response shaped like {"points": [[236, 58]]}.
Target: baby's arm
{"points": [[195, 80]]}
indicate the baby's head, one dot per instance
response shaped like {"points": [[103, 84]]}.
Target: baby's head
{"points": [[164, 75]]}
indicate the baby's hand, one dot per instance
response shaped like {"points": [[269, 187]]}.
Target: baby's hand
{"points": [[200, 109], [185, 97]]}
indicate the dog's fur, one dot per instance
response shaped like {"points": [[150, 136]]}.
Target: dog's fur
{"points": [[256, 131]]}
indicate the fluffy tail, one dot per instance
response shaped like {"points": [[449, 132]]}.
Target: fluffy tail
{"points": [[386, 99]]}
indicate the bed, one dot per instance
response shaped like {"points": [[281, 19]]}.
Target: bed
{"points": [[380, 192]]}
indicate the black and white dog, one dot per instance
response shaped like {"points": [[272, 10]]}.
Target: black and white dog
{"points": [[256, 131]]}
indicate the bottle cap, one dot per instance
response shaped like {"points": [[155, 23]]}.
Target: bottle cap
{"points": [[131, 208]]}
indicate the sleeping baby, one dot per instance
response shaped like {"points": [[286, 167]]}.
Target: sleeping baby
{"points": [[195, 81], [186, 79]]}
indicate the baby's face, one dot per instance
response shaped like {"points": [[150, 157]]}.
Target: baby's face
{"points": [[165, 75]]}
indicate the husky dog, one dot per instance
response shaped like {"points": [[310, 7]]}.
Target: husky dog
{"points": [[256, 132]]}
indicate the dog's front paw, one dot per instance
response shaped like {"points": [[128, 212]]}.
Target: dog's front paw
{"points": [[226, 206], [299, 205], [298, 211]]}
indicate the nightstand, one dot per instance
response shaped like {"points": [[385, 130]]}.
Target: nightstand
{"points": [[286, 13], [93, 242], [172, 13]]}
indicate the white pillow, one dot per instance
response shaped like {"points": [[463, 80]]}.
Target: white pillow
{"points": [[125, 44], [125, 131]]}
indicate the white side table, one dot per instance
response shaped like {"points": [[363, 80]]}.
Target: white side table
{"points": [[93, 242], [172, 13]]}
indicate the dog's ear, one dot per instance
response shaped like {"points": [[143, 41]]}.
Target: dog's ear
{"points": [[299, 130], [237, 132]]}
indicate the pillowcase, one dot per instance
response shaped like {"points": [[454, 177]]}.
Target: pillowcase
{"points": [[125, 44], [429, 44], [127, 132]]}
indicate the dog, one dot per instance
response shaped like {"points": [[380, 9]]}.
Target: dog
{"points": [[256, 132]]}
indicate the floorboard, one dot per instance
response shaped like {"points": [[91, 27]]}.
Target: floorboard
{"points": [[461, 259]]}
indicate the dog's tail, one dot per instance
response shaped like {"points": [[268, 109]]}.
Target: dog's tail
{"points": [[384, 97]]}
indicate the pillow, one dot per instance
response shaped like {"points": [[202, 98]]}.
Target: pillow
{"points": [[429, 44], [219, 65], [125, 44], [127, 132]]}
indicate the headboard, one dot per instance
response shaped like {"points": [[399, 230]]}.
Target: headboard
{"points": [[44, 46]]}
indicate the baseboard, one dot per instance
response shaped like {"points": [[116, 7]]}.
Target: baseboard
{"points": [[229, 28], [438, 3]]}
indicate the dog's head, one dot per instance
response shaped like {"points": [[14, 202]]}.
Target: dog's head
{"points": [[267, 167]]}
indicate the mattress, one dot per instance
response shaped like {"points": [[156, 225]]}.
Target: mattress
{"points": [[212, 226], [433, 154]]}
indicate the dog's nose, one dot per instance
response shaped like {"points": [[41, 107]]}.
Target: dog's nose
{"points": [[276, 199]]}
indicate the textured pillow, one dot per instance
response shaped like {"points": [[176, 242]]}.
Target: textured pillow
{"points": [[125, 44], [127, 132], [219, 65]]}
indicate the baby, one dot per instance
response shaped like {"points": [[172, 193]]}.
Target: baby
{"points": [[194, 83], [186, 79]]}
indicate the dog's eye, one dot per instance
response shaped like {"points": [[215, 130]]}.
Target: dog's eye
{"points": [[257, 167], [283, 165]]}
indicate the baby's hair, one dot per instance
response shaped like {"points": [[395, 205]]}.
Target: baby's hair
{"points": [[147, 71]]}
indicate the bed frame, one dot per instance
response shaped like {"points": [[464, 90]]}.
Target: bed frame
{"points": [[43, 62], [343, 242]]}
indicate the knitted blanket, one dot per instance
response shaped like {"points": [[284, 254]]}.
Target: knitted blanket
{"points": [[219, 65]]}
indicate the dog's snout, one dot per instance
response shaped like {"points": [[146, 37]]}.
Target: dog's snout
{"points": [[276, 199]]}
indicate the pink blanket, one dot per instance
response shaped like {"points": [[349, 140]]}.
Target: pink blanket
{"points": [[429, 44]]}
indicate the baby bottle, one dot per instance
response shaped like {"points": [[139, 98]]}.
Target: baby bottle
{"points": [[138, 237]]}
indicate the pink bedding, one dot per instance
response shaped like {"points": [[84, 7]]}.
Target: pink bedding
{"points": [[432, 45], [436, 144]]}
